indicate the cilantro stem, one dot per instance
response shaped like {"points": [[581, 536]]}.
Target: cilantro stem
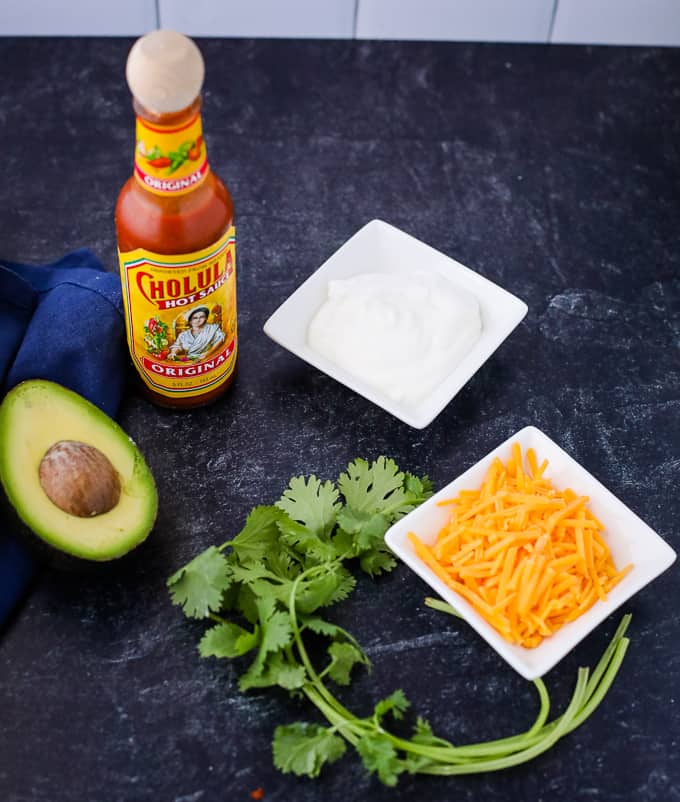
{"points": [[598, 684], [490, 755], [314, 678], [600, 680], [608, 654], [442, 606], [350, 728], [540, 746], [297, 635], [447, 759]]}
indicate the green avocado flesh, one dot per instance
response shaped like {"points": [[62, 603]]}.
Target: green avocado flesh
{"points": [[33, 417]]}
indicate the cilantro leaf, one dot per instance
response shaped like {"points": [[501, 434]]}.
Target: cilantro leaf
{"points": [[277, 633], [277, 671], [373, 488], [199, 585], [380, 757], [288, 676], [321, 590], [366, 528], [396, 704], [259, 536], [305, 542], [318, 591], [247, 603], [423, 735], [282, 564], [377, 561], [228, 640], [368, 532], [343, 542], [419, 489], [303, 749], [311, 503], [320, 626], [344, 656], [248, 573], [345, 585]]}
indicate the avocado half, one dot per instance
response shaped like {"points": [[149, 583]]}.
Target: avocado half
{"points": [[71, 475]]}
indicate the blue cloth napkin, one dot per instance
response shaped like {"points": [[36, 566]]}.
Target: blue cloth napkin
{"points": [[62, 322]]}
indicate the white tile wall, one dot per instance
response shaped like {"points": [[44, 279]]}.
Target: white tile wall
{"points": [[496, 20], [265, 18], [642, 22], [76, 17]]}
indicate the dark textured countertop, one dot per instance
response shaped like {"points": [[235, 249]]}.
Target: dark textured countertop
{"points": [[554, 171]]}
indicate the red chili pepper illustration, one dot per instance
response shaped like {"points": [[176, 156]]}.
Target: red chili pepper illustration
{"points": [[195, 150], [161, 161]]}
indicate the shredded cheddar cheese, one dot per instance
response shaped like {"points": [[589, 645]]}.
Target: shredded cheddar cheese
{"points": [[527, 556]]}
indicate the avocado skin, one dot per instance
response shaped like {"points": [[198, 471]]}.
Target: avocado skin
{"points": [[40, 550]]}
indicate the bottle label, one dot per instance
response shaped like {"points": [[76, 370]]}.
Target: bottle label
{"points": [[181, 317], [170, 160]]}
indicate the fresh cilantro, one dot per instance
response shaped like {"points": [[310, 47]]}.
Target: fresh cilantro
{"points": [[318, 625], [278, 670], [198, 587], [263, 591], [319, 591], [372, 488], [228, 640], [246, 602], [303, 749], [344, 656], [277, 633], [250, 573], [377, 561], [396, 704], [419, 489], [379, 756], [344, 585], [422, 734], [311, 503], [305, 542], [367, 528], [259, 536]]}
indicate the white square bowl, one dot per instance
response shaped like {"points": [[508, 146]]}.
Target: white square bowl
{"points": [[630, 540], [381, 248]]}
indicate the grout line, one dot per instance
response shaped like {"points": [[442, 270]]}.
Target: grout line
{"points": [[356, 19], [551, 27], [158, 13]]}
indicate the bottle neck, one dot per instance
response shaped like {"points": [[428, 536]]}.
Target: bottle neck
{"points": [[170, 153]]}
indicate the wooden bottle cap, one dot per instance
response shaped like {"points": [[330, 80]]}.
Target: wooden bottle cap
{"points": [[165, 71]]}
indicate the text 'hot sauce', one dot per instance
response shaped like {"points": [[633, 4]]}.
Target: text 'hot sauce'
{"points": [[176, 236]]}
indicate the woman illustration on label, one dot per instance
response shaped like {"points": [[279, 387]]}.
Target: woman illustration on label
{"points": [[200, 338]]}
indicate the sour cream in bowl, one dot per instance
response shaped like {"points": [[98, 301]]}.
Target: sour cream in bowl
{"points": [[396, 321], [400, 333]]}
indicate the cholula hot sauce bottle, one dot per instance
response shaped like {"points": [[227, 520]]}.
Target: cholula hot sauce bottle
{"points": [[176, 236]]}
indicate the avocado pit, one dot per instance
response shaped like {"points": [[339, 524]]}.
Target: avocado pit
{"points": [[79, 479]]}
